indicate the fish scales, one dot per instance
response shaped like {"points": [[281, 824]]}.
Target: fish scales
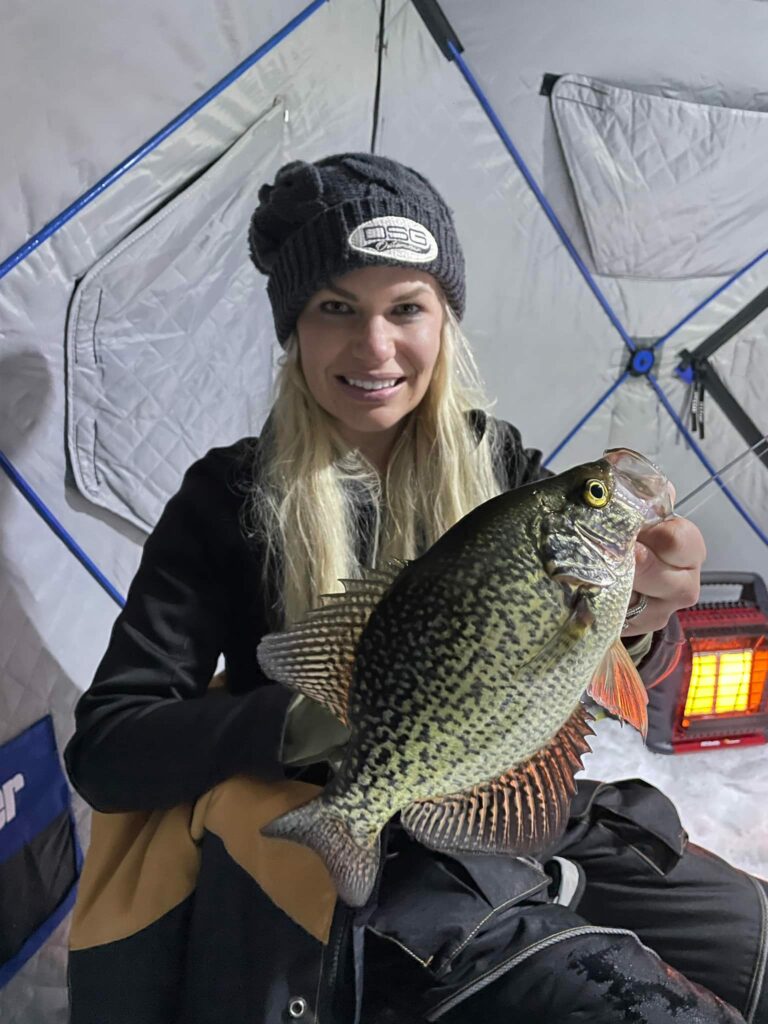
{"points": [[463, 704], [455, 635]]}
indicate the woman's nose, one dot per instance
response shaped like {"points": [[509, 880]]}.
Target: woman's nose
{"points": [[377, 337]]}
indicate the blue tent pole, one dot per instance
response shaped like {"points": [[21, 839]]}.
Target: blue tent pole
{"points": [[542, 199], [710, 298], [45, 513], [710, 468], [109, 179], [588, 415]]}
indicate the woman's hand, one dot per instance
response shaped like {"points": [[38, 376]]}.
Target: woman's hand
{"points": [[668, 561]]}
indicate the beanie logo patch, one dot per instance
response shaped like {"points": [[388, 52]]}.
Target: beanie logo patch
{"points": [[395, 238]]}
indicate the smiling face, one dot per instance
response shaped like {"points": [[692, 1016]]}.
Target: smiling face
{"points": [[368, 345]]}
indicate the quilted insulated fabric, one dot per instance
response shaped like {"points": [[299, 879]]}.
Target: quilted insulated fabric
{"points": [[666, 188], [162, 358]]}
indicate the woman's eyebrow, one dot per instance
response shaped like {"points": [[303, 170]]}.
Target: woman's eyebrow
{"points": [[342, 292], [412, 294]]}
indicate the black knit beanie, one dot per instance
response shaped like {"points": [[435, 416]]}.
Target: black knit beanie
{"points": [[319, 221]]}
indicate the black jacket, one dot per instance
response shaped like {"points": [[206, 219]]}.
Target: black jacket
{"points": [[148, 737], [141, 742]]}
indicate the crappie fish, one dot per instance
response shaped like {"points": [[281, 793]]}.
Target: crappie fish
{"points": [[459, 675]]}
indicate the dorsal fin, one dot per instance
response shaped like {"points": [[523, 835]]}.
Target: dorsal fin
{"points": [[316, 655], [523, 811]]}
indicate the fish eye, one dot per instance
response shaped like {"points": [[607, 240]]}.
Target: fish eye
{"points": [[595, 493]]}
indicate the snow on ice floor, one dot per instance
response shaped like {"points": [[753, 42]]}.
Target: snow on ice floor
{"points": [[721, 795]]}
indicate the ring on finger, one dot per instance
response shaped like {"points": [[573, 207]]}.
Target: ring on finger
{"points": [[635, 610]]}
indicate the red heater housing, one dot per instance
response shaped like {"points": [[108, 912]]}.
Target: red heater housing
{"points": [[716, 695]]}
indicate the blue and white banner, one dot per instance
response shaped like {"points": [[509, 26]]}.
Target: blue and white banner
{"points": [[39, 855]]}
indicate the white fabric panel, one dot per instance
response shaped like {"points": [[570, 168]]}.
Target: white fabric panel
{"points": [[162, 358], [667, 188], [83, 85], [35, 296]]}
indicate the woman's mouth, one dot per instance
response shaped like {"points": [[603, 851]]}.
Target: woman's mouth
{"points": [[370, 388]]}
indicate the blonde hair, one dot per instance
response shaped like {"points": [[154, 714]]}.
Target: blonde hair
{"points": [[311, 491]]}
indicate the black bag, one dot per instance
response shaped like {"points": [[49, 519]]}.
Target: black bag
{"points": [[472, 938]]}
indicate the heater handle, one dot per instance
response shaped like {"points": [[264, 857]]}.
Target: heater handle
{"points": [[753, 587]]}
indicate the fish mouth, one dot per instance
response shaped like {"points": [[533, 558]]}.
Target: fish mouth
{"points": [[641, 483]]}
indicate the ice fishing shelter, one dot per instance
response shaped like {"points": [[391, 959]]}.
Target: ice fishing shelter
{"points": [[606, 164]]}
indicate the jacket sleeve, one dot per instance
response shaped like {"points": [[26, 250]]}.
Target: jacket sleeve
{"points": [[665, 652], [148, 735]]}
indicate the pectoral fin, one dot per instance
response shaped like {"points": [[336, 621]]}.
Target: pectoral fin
{"points": [[618, 688], [569, 634]]}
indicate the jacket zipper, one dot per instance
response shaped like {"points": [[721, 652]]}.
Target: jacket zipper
{"points": [[516, 960], [340, 926]]}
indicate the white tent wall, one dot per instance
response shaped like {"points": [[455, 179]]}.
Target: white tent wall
{"points": [[84, 86]]}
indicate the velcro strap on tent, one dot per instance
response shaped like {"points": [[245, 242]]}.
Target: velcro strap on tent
{"points": [[38, 850]]}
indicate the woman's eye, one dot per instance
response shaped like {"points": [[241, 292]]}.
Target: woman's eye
{"points": [[334, 306], [408, 309]]}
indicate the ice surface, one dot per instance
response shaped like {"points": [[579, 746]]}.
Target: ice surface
{"points": [[721, 795]]}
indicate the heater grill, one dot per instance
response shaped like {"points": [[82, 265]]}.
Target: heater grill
{"points": [[725, 681], [717, 693]]}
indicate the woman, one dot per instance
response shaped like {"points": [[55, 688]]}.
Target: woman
{"points": [[371, 452]]}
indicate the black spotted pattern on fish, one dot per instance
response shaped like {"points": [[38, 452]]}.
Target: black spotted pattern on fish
{"points": [[444, 640], [467, 676]]}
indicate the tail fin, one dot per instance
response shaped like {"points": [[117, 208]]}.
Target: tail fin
{"points": [[352, 867]]}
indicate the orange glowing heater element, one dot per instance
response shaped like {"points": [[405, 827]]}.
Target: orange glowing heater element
{"points": [[714, 693], [725, 682]]}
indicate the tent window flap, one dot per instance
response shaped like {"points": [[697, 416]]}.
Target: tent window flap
{"points": [[164, 359], [666, 188]]}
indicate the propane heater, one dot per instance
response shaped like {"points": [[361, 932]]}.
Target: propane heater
{"points": [[716, 693]]}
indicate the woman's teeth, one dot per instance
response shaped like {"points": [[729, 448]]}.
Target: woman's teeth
{"points": [[372, 385]]}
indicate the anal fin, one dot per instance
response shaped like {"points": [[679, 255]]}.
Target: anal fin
{"points": [[618, 688], [521, 812]]}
